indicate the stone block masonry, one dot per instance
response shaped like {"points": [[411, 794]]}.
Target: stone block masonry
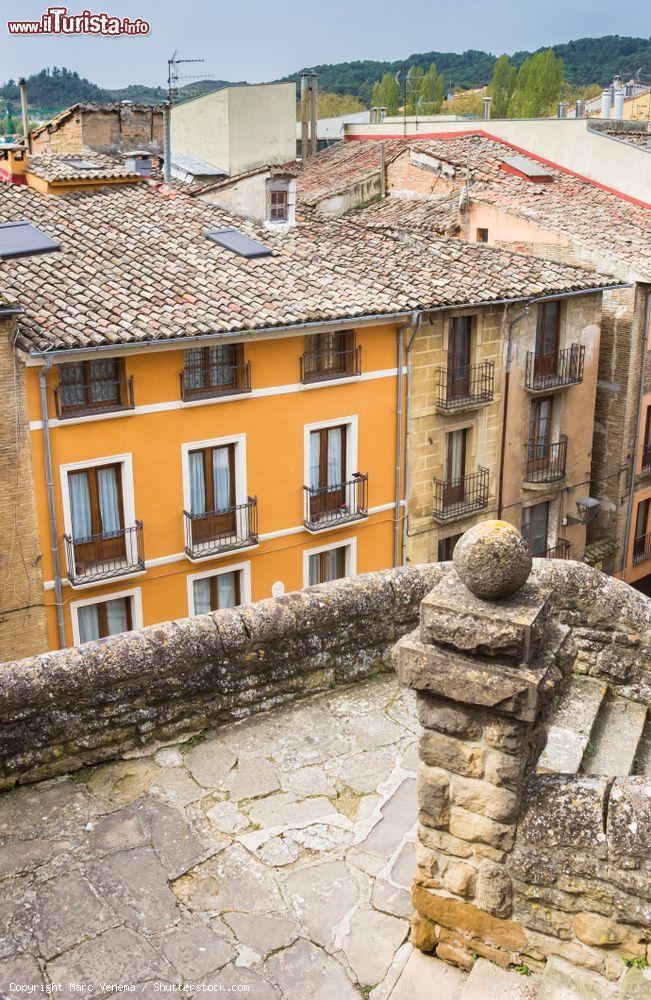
{"points": [[119, 696], [513, 865]]}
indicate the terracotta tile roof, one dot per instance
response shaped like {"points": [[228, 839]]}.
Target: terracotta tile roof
{"points": [[636, 137], [433, 215], [136, 266], [604, 224], [336, 168], [274, 169], [55, 167]]}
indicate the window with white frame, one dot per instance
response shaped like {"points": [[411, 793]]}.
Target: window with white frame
{"points": [[329, 562], [215, 591], [99, 618]]}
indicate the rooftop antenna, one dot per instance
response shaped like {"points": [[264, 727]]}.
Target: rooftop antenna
{"points": [[173, 86]]}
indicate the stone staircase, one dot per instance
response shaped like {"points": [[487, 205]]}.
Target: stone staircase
{"points": [[559, 981], [593, 730]]}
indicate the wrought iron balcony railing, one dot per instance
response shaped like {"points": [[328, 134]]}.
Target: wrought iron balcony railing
{"points": [[208, 381], [217, 531], [105, 556], [77, 399], [326, 506], [559, 551], [646, 458], [641, 548], [470, 385], [457, 498], [323, 365], [551, 371], [545, 463]]}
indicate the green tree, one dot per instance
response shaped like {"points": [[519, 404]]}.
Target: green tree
{"points": [[537, 87], [432, 90], [502, 86], [415, 78], [386, 94]]}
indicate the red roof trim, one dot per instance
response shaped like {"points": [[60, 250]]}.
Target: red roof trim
{"points": [[509, 145]]}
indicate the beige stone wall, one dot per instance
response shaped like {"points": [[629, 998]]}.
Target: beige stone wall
{"points": [[67, 138], [427, 425], [22, 612]]}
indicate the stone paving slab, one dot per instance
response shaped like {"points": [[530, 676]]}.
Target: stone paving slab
{"points": [[275, 853]]}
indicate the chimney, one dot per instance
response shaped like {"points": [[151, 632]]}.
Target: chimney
{"points": [[314, 115], [562, 109], [22, 83], [487, 108], [305, 152], [605, 103], [579, 109], [618, 104]]}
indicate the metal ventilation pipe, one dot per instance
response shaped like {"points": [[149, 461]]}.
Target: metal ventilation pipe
{"points": [[305, 152], [487, 108], [605, 103], [562, 109], [22, 83], [383, 114], [314, 137], [579, 109], [618, 104]]}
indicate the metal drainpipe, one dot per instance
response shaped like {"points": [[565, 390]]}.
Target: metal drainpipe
{"points": [[507, 378], [416, 325], [398, 489], [54, 531], [631, 494]]}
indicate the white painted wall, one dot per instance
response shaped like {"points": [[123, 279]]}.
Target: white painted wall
{"points": [[564, 141], [238, 128]]}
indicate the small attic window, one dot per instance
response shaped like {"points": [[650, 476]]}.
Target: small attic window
{"points": [[239, 243], [81, 164], [22, 239]]}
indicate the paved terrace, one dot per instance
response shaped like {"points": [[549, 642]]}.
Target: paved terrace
{"points": [[274, 854]]}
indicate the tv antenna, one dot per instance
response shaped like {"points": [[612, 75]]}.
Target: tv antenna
{"points": [[174, 79]]}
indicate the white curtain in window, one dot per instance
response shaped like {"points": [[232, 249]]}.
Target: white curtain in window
{"points": [[335, 471], [201, 591], [331, 565], [80, 505], [88, 621], [455, 457], [222, 477], [315, 570], [104, 380], [315, 459], [116, 616], [109, 501], [226, 591], [197, 484], [195, 375]]}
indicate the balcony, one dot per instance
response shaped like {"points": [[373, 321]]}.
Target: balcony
{"points": [[545, 463], [465, 387], [641, 549], [217, 531], [208, 381], [79, 399], [559, 551], [323, 366], [554, 371], [458, 498], [106, 556], [331, 506]]}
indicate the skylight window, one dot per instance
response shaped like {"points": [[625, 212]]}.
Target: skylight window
{"points": [[525, 168], [231, 239], [22, 239], [82, 164]]}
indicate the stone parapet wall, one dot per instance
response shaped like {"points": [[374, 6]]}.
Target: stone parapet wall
{"points": [[118, 696], [512, 865]]}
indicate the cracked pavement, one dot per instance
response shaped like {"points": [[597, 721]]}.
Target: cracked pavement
{"points": [[276, 852]]}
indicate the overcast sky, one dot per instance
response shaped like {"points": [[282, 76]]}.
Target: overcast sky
{"points": [[257, 40]]}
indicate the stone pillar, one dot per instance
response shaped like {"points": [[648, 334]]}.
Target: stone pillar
{"points": [[482, 668]]}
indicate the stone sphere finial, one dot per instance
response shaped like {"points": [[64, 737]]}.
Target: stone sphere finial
{"points": [[492, 560]]}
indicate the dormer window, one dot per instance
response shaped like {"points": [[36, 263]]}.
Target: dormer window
{"points": [[279, 206]]}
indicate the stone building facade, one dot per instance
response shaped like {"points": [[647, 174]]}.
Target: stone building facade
{"points": [[22, 611], [101, 128]]}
